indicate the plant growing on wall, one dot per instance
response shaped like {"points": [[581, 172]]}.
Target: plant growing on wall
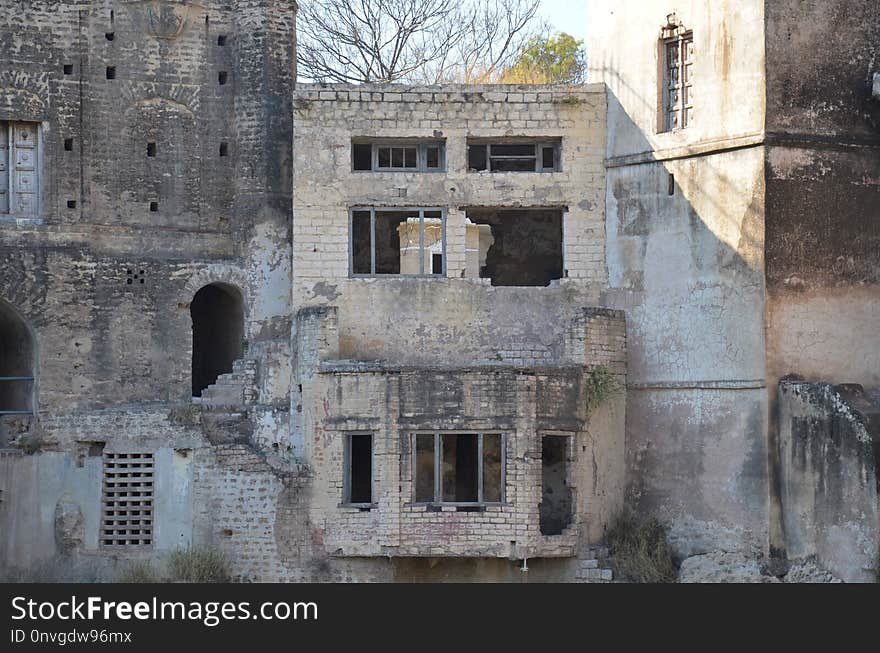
{"points": [[602, 386]]}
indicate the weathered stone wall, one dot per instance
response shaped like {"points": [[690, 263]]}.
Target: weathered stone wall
{"points": [[341, 397], [102, 278], [828, 455], [378, 317], [823, 189], [685, 225]]}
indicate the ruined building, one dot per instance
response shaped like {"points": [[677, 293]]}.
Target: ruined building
{"points": [[362, 333]]}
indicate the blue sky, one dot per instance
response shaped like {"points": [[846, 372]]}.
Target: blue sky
{"points": [[567, 16]]}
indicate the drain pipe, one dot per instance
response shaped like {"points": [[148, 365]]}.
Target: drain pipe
{"points": [[525, 566]]}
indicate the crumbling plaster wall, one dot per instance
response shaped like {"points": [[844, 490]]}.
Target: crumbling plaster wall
{"points": [[685, 225], [823, 190], [828, 446]]}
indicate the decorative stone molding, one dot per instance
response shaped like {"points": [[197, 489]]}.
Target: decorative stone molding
{"points": [[165, 19], [673, 27]]}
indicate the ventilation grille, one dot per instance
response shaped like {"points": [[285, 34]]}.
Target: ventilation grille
{"points": [[127, 520]]}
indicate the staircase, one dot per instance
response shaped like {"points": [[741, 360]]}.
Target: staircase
{"points": [[224, 405], [235, 390]]}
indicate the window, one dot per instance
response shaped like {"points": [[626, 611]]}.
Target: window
{"points": [[16, 364], [398, 156], [516, 247], [514, 156], [463, 469], [676, 91], [555, 509], [358, 486], [127, 517], [407, 242], [19, 170]]}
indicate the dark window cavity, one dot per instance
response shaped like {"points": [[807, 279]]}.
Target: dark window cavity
{"points": [[222, 77], [527, 246], [68, 144], [68, 69], [224, 149], [151, 149], [392, 242], [362, 156], [111, 72], [555, 509], [401, 155], [358, 469], [514, 156], [464, 469], [154, 207], [217, 313], [221, 40], [16, 365]]}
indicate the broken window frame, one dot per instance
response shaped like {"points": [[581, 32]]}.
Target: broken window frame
{"points": [[438, 469], [347, 471], [421, 145], [674, 35], [539, 145], [570, 460], [423, 271], [8, 169]]}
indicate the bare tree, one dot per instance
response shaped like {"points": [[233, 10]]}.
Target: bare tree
{"points": [[422, 41]]}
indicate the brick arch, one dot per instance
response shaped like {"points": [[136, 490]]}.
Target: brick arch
{"points": [[16, 330], [219, 273]]}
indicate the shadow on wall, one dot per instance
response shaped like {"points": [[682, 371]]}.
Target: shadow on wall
{"points": [[685, 261]]}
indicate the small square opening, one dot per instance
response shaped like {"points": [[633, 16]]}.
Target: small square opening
{"points": [[68, 69], [151, 149], [109, 36], [111, 72], [221, 40], [71, 204], [154, 206], [222, 76], [68, 144], [224, 149]]}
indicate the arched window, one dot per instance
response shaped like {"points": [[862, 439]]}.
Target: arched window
{"points": [[217, 313], [16, 363]]}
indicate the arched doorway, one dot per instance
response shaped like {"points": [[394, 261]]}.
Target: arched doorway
{"points": [[16, 363], [217, 312]]}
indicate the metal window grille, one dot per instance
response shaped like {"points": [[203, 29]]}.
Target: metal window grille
{"points": [[679, 82], [127, 519]]}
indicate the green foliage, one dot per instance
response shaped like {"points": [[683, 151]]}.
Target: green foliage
{"points": [[198, 565], [640, 550], [139, 572], [602, 385], [558, 59]]}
